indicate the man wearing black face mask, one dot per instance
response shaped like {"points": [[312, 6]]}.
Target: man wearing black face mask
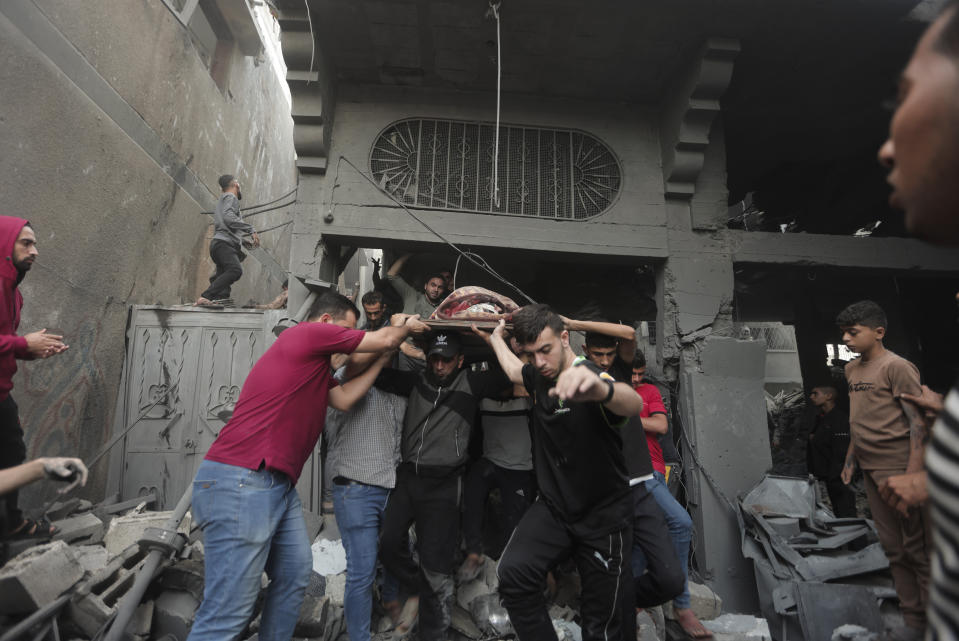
{"points": [[443, 401], [225, 248]]}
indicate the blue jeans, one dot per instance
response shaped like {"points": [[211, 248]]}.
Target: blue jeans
{"points": [[252, 520], [680, 531], [359, 514]]}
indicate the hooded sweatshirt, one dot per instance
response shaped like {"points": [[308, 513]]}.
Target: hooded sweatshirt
{"points": [[12, 346]]}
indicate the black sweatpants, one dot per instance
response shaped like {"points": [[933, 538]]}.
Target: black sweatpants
{"points": [[227, 259], [13, 451], [664, 578], [433, 504], [516, 487], [540, 541]]}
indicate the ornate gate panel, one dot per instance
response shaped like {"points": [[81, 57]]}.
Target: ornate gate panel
{"points": [[182, 377]]}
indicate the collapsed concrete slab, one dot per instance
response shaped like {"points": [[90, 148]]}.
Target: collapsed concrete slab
{"points": [[38, 576], [704, 603]]}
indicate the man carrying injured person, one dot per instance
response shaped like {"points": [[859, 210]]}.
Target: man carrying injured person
{"points": [[584, 509], [442, 406], [244, 492], [612, 347]]}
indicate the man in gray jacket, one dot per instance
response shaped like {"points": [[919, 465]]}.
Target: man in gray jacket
{"points": [[226, 246], [442, 405]]}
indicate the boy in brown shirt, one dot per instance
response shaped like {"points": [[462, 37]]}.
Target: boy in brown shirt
{"points": [[886, 441]]}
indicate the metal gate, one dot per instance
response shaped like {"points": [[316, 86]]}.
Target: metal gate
{"points": [[182, 376]]}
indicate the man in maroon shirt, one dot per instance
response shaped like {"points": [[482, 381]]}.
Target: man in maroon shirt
{"points": [[244, 492]]}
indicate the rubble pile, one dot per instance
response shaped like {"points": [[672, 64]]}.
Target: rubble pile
{"points": [[814, 573], [78, 581]]}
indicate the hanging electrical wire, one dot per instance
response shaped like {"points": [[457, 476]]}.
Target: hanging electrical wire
{"points": [[494, 12], [275, 200], [481, 263]]}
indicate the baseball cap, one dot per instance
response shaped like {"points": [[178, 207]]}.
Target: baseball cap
{"points": [[446, 345]]}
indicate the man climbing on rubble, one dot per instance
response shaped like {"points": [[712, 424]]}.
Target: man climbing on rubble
{"points": [[244, 492], [19, 243], [827, 447], [442, 406], [887, 438], [584, 509], [656, 426], [922, 154], [226, 247], [659, 531]]}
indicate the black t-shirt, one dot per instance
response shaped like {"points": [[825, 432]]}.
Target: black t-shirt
{"points": [[829, 444], [578, 458], [635, 447]]}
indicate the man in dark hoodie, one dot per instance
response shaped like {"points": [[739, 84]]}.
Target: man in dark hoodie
{"points": [[19, 243], [226, 246], [443, 400]]}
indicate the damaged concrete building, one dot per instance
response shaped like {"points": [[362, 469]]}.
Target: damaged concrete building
{"points": [[627, 130], [704, 171], [116, 120]]}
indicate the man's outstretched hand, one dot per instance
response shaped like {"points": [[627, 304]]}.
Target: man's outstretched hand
{"points": [[43, 345], [904, 491], [579, 384]]}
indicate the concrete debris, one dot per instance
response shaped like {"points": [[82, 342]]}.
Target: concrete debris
{"points": [[336, 588], [143, 620], [127, 530], [567, 630], [173, 614], [37, 577], [96, 599], [461, 622], [704, 603], [493, 619], [647, 629], [853, 633], [329, 557], [738, 627], [313, 615], [796, 546], [484, 583], [92, 557], [84, 526]]}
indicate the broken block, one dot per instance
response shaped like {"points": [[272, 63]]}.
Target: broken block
{"points": [[96, 598], [646, 628], [466, 592], [336, 588], [82, 526], [313, 617], [173, 614], [186, 576], [38, 576], [126, 530], [738, 627], [704, 603], [92, 557], [142, 620], [62, 509]]}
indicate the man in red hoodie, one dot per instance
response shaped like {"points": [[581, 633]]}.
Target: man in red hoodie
{"points": [[18, 248]]}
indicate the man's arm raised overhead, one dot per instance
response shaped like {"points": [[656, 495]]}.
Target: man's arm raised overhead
{"points": [[512, 366]]}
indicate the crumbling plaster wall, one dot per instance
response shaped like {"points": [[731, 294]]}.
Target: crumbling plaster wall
{"points": [[114, 134]]}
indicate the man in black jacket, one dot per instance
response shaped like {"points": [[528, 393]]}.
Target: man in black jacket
{"points": [[826, 451], [443, 400]]}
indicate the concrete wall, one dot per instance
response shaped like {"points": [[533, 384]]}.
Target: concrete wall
{"points": [[633, 226], [114, 134]]}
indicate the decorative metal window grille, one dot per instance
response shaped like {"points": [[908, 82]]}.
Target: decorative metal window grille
{"points": [[447, 164]]}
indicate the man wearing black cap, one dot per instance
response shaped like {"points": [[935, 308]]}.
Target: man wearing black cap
{"points": [[225, 248], [443, 400]]}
